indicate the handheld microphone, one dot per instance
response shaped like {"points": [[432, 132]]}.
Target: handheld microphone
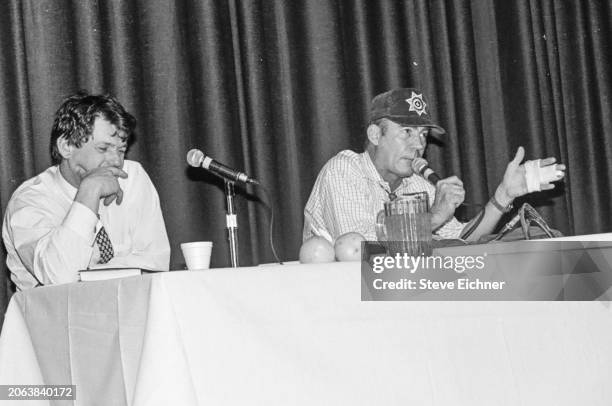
{"points": [[196, 158], [421, 166]]}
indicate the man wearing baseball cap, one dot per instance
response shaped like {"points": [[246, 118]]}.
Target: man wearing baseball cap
{"points": [[352, 187]]}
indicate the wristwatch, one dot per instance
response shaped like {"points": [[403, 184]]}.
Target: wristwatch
{"points": [[498, 206]]}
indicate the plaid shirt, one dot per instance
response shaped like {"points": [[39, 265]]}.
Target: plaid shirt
{"points": [[349, 193]]}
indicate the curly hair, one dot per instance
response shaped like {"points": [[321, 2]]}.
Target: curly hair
{"points": [[75, 118]]}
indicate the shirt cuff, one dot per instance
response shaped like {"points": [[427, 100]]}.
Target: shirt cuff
{"points": [[82, 221]]}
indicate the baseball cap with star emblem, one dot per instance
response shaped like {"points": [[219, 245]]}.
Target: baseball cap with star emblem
{"points": [[405, 106]]}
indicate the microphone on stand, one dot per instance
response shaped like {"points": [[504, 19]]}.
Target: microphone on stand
{"points": [[197, 159], [421, 166]]}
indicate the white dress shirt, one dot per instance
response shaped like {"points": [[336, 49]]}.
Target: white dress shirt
{"points": [[49, 237], [349, 192]]}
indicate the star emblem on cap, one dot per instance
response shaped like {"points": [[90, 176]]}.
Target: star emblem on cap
{"points": [[417, 104]]}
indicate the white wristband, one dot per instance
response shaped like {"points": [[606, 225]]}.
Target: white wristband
{"points": [[536, 176]]}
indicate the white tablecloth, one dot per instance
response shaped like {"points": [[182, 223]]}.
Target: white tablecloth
{"points": [[299, 335]]}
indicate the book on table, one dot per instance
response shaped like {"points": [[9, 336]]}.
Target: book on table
{"points": [[100, 274]]}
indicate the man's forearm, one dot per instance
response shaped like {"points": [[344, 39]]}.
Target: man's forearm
{"points": [[492, 215], [88, 198]]}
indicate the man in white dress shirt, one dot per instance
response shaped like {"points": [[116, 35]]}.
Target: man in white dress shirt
{"points": [[352, 187], [92, 209]]}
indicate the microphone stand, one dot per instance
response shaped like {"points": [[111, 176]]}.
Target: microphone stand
{"points": [[231, 221]]}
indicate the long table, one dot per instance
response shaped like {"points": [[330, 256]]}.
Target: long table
{"points": [[299, 335]]}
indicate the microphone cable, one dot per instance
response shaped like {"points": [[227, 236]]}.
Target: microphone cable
{"points": [[271, 227]]}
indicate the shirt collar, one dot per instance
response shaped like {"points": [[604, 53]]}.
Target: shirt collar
{"points": [[371, 171]]}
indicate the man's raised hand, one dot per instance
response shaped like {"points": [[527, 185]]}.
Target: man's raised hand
{"points": [[101, 183]]}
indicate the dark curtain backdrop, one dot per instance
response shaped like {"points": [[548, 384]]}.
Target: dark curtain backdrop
{"points": [[278, 87]]}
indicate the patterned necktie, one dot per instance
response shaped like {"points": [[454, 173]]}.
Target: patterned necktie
{"points": [[105, 245]]}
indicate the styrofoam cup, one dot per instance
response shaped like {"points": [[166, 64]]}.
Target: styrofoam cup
{"points": [[197, 254]]}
